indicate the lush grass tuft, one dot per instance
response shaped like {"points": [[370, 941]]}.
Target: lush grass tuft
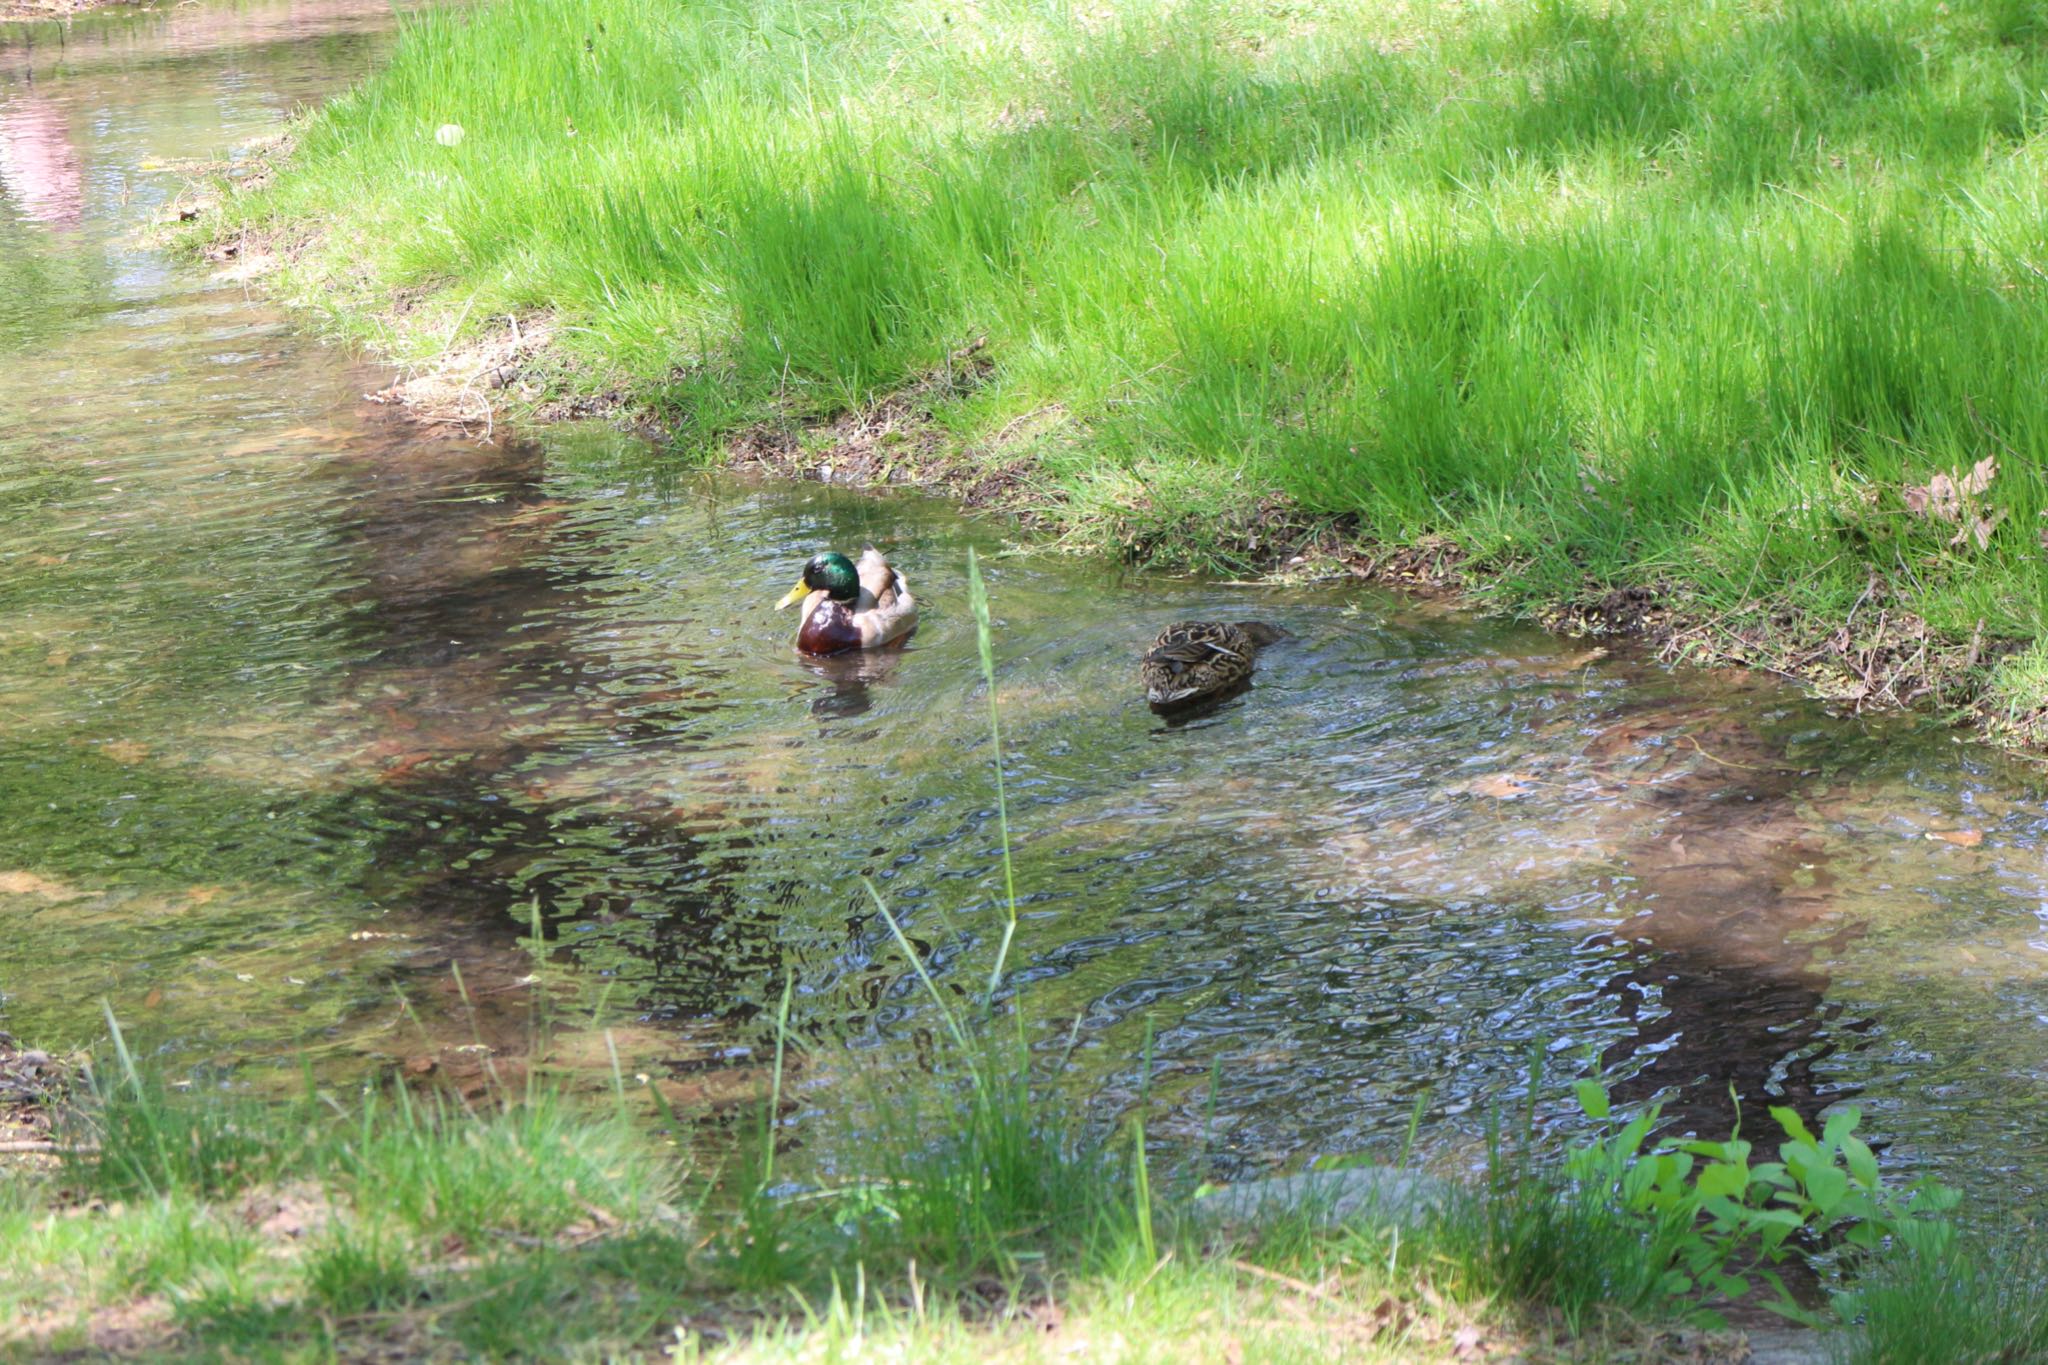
{"points": [[1973, 1302]]}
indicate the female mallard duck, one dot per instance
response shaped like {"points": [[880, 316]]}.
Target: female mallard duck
{"points": [[851, 607], [1195, 661]]}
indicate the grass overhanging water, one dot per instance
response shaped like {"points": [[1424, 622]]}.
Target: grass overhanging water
{"points": [[1715, 309], [981, 1208]]}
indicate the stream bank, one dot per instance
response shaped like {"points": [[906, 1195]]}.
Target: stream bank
{"points": [[1409, 303]]}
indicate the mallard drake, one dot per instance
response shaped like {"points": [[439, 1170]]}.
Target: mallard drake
{"points": [[848, 606], [1194, 661]]}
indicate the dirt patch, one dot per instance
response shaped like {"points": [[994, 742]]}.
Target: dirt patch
{"points": [[287, 1215], [462, 386], [133, 1329]]}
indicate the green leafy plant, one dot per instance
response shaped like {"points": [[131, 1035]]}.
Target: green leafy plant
{"points": [[1713, 1220]]}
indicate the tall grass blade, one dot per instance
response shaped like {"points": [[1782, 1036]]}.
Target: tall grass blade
{"points": [[775, 1086], [917, 965], [984, 633]]}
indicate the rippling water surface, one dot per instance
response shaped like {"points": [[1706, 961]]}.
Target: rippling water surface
{"points": [[309, 720]]}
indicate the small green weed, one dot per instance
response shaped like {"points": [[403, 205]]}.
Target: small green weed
{"points": [[142, 1137], [1708, 1218]]}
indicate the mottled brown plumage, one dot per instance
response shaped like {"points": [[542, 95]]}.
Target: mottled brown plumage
{"points": [[1193, 661]]}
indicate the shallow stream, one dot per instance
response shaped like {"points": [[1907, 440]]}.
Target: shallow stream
{"points": [[309, 717]]}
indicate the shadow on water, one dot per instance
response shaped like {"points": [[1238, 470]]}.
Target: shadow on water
{"points": [[303, 709]]}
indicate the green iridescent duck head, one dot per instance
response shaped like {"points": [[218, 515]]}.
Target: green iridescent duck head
{"points": [[831, 573]]}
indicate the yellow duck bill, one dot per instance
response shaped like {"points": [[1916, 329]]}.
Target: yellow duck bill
{"points": [[795, 595]]}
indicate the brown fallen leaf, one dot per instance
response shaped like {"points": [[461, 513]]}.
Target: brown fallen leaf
{"points": [[1503, 786], [1945, 497], [1978, 529], [1961, 838], [154, 998], [128, 751], [1980, 476]]}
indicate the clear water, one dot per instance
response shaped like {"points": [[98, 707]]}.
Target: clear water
{"points": [[308, 718]]}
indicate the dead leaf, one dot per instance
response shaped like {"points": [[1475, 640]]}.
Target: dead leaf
{"points": [[1980, 528], [127, 751], [1946, 497], [1503, 786], [57, 658], [29, 884], [1980, 476], [154, 998], [196, 896], [1961, 838]]}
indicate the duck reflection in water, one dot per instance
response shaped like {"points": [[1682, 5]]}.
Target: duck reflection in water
{"points": [[845, 679]]}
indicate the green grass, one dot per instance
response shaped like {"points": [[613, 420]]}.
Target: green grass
{"points": [[1610, 294], [531, 1230], [983, 1218], [1971, 1303]]}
